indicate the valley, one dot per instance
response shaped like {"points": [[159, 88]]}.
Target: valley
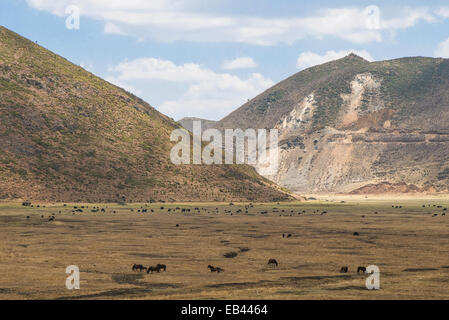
{"points": [[404, 239]]}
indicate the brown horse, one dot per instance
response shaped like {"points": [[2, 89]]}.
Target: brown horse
{"points": [[161, 267], [361, 269], [215, 269], [273, 262], [138, 267], [219, 269], [151, 269]]}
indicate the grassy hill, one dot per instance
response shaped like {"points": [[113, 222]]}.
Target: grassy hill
{"points": [[67, 135], [410, 86], [188, 123]]}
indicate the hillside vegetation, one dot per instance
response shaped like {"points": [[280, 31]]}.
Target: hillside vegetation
{"points": [[67, 135]]}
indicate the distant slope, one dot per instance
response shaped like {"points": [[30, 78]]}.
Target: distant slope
{"points": [[188, 123], [67, 135], [350, 123]]}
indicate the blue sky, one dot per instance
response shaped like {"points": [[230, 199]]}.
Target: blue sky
{"points": [[207, 57]]}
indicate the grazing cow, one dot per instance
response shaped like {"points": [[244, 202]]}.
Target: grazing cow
{"points": [[273, 262], [356, 234], [361, 269], [344, 269], [161, 267], [289, 235]]}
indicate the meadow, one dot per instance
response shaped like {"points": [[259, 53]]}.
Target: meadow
{"points": [[407, 238]]}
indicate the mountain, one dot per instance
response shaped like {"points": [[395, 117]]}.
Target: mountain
{"points": [[187, 123], [67, 135], [351, 123]]}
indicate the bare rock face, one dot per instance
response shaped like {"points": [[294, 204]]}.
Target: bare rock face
{"points": [[351, 123]]}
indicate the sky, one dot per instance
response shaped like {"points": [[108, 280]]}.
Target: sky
{"points": [[205, 58]]}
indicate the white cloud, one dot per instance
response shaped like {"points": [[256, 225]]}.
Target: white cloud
{"points": [[111, 28], [153, 68], [310, 59], [443, 12], [172, 20], [208, 94], [239, 63], [442, 50], [408, 18]]}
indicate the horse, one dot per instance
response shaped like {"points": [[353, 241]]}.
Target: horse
{"points": [[219, 269], [273, 262], [138, 267], [151, 269], [361, 269], [161, 266], [215, 269]]}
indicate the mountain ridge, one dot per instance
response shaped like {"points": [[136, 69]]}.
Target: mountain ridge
{"points": [[350, 122], [68, 135], [187, 123]]}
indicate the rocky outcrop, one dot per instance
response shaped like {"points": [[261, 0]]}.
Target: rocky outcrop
{"points": [[350, 123]]}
